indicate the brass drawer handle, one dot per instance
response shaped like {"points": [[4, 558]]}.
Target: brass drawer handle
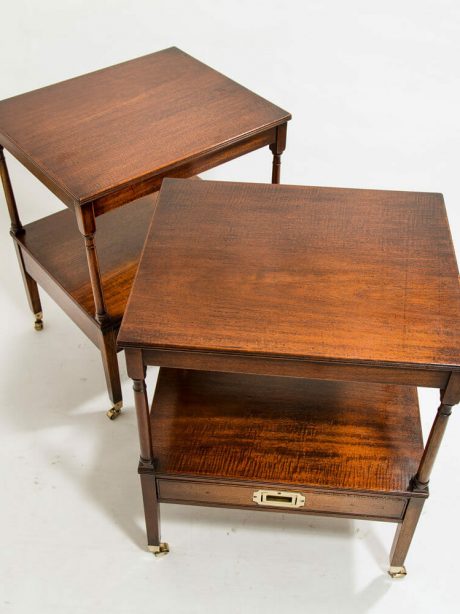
{"points": [[278, 498]]}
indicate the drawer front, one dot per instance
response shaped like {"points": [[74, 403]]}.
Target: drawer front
{"points": [[206, 493]]}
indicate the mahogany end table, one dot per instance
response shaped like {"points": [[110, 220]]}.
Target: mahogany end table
{"points": [[292, 326], [106, 139]]}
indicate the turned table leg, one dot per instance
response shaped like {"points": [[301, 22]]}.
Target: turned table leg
{"points": [[277, 149], [136, 371], [16, 229], [449, 397], [107, 341]]}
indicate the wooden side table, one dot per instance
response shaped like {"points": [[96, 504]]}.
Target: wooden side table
{"points": [[291, 348], [106, 139]]}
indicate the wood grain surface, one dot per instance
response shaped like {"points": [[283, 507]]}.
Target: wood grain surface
{"points": [[110, 129], [381, 507], [56, 243], [361, 276], [285, 431]]}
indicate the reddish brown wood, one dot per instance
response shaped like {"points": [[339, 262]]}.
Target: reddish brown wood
{"points": [[187, 170], [345, 285], [105, 139], [83, 320], [318, 503], [143, 422], [449, 397], [30, 285], [295, 432], [450, 394], [112, 129], [261, 365], [87, 226], [16, 225], [17, 230], [135, 364], [432, 447], [56, 244], [358, 277], [151, 509], [405, 532], [63, 272], [108, 347], [277, 149], [137, 370]]}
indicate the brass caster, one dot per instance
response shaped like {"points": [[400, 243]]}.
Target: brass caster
{"points": [[397, 572], [38, 324], [160, 550], [115, 411]]}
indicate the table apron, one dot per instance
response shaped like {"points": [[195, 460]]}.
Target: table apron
{"points": [[188, 169], [351, 504], [258, 365]]}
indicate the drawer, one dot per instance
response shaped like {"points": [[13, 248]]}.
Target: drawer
{"points": [[298, 500]]}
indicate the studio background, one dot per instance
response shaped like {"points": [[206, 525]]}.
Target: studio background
{"points": [[374, 90]]}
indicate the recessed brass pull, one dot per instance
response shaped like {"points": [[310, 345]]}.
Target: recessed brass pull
{"points": [[278, 498]]}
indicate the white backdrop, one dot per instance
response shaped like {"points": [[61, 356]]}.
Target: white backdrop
{"points": [[374, 90]]}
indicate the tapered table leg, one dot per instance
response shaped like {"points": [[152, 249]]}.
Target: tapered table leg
{"points": [[403, 538], [152, 516], [108, 347]]}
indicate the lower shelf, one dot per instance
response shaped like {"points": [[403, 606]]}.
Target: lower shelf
{"points": [[56, 246], [350, 447]]}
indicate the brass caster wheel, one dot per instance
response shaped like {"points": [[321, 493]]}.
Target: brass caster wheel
{"points": [[397, 572], [115, 411], [160, 550], [38, 324]]}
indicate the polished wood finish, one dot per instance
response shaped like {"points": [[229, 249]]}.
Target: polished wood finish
{"points": [[56, 244], [355, 289], [104, 132], [283, 431], [61, 269], [142, 411], [360, 277], [405, 532], [16, 225], [277, 149], [16, 230], [261, 365], [434, 441], [152, 509], [449, 397], [106, 139], [319, 503], [108, 347], [195, 166], [87, 226], [51, 252], [30, 285]]}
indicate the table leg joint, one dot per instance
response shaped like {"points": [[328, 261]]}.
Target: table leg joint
{"points": [[277, 149]]}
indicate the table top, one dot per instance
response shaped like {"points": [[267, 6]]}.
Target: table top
{"points": [[328, 274], [98, 133]]}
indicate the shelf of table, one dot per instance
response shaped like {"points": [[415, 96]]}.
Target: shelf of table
{"points": [[54, 254], [352, 448]]}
